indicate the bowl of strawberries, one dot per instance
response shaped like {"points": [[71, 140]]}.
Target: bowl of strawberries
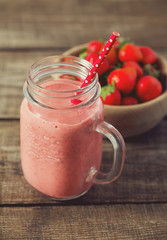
{"points": [[133, 84]]}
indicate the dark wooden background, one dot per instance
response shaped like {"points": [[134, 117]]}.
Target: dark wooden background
{"points": [[133, 207]]}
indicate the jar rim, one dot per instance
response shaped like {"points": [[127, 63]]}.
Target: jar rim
{"points": [[35, 87], [78, 60]]}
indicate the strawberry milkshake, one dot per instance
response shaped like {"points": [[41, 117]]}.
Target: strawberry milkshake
{"points": [[60, 145]]}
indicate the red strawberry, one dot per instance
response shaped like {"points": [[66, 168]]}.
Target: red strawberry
{"points": [[149, 56], [103, 67], [110, 95], [95, 46], [130, 52], [92, 57], [148, 88], [124, 78], [134, 65], [129, 100], [112, 56]]}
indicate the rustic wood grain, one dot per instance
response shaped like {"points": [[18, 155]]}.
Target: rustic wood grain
{"points": [[13, 73], [143, 178], [52, 23], [116, 222]]}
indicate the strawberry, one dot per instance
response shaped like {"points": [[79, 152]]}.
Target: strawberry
{"points": [[149, 56], [129, 100], [130, 52], [103, 67], [134, 65], [148, 88], [124, 78], [110, 95], [112, 56], [92, 57], [95, 46], [121, 41]]}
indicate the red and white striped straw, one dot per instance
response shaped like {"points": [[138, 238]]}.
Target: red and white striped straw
{"points": [[114, 36]]}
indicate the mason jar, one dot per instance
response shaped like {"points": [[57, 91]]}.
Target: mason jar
{"points": [[61, 127]]}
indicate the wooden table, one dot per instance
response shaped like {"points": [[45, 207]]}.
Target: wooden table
{"points": [[133, 207]]}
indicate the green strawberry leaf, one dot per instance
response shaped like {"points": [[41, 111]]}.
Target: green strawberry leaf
{"points": [[83, 55], [150, 70], [107, 90], [113, 86], [157, 74], [83, 50]]}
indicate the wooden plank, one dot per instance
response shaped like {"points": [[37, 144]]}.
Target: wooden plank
{"points": [[143, 178], [13, 72], [27, 23], [116, 222]]}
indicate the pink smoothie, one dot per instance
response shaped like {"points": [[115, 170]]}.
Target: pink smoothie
{"points": [[60, 151]]}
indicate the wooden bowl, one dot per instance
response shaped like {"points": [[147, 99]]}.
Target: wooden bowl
{"points": [[134, 119]]}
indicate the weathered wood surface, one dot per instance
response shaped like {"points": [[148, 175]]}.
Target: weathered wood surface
{"points": [[31, 24], [117, 222], [13, 73], [143, 178]]}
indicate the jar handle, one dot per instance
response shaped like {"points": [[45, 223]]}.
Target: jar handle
{"points": [[119, 153]]}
